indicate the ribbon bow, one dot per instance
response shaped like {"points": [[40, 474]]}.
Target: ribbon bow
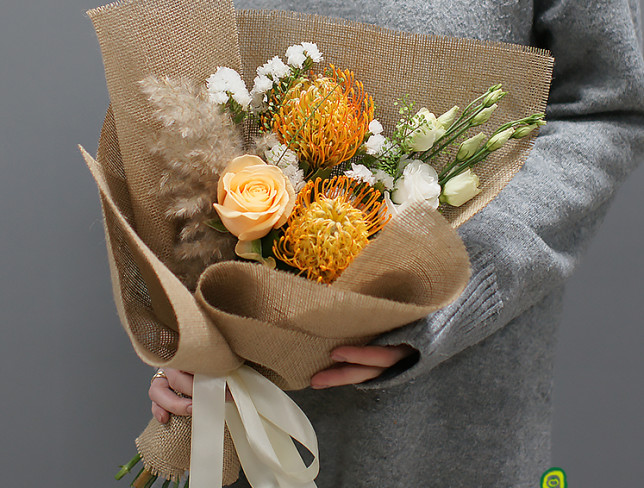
{"points": [[262, 422]]}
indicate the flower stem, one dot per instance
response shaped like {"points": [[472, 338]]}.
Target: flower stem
{"points": [[459, 126], [459, 131], [140, 473], [465, 112], [144, 479], [125, 469], [150, 482], [455, 169], [166, 483], [449, 171]]}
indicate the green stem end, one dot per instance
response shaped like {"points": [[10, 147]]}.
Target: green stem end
{"points": [[125, 469]]}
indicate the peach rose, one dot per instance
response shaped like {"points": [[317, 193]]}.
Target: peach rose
{"points": [[253, 198]]}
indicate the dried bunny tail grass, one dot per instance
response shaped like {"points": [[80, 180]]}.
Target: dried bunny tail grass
{"points": [[193, 256], [197, 140], [197, 136]]}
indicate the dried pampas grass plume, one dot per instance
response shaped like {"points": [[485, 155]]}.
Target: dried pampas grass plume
{"points": [[197, 140]]}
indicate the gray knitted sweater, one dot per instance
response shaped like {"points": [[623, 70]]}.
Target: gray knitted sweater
{"points": [[474, 408]]}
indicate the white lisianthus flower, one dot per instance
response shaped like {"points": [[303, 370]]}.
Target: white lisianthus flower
{"points": [[419, 181], [469, 147], [385, 178], [448, 117], [495, 142], [483, 116], [375, 144], [361, 173], [392, 208], [226, 82], [461, 189], [375, 127], [274, 68], [295, 56], [428, 131]]}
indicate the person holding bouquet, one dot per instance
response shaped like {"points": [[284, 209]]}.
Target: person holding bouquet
{"points": [[464, 397]]}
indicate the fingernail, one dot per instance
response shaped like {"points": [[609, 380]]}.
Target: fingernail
{"points": [[338, 357], [319, 387], [189, 409]]}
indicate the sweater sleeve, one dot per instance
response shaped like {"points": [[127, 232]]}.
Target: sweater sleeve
{"points": [[528, 240]]}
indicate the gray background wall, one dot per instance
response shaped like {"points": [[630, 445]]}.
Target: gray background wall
{"points": [[74, 393]]}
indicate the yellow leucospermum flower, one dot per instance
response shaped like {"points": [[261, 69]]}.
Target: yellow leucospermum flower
{"points": [[330, 224]]}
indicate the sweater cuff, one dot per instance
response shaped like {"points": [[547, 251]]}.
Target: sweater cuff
{"points": [[446, 332]]}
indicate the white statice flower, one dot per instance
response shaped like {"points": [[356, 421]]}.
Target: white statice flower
{"points": [[286, 159], [298, 53], [295, 56], [219, 98], [242, 97], [385, 178], [418, 182], [281, 156], [375, 127], [257, 103], [361, 173], [295, 175], [261, 85], [311, 50], [226, 82], [375, 144], [274, 68]]}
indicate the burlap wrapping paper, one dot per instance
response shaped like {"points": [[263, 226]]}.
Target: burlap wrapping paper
{"points": [[283, 324]]}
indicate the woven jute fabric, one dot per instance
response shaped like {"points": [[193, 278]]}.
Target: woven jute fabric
{"points": [[282, 324], [158, 445], [436, 72], [160, 37]]}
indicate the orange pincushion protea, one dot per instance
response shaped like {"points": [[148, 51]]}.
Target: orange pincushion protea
{"points": [[324, 119], [330, 224]]}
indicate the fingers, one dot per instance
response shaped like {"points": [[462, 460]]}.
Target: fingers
{"points": [[359, 364], [166, 400], [379, 356], [160, 414], [345, 374], [180, 381]]}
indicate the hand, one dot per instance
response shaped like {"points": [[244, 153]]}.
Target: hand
{"points": [[359, 364], [163, 394]]}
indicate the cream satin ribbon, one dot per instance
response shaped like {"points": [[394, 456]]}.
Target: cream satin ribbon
{"points": [[262, 420]]}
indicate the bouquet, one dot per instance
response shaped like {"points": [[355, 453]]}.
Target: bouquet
{"points": [[339, 238]]}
